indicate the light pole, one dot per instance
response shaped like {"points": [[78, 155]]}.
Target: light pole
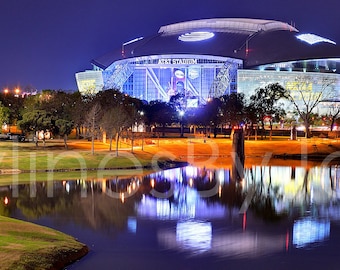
{"points": [[181, 114], [16, 91], [141, 113]]}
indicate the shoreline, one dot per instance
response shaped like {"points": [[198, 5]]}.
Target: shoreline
{"points": [[25, 245], [168, 152]]}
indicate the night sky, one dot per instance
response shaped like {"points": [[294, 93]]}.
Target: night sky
{"points": [[44, 42]]}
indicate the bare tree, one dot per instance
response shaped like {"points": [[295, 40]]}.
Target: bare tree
{"points": [[92, 123], [113, 122], [305, 99], [333, 111]]}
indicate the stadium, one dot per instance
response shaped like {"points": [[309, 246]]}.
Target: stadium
{"points": [[212, 57]]}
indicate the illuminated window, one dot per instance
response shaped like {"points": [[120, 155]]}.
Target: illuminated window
{"points": [[195, 36], [312, 39]]}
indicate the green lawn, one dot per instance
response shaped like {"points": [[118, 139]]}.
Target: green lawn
{"points": [[27, 157], [28, 246]]}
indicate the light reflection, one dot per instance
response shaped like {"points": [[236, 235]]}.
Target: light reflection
{"points": [[309, 230], [132, 224], [224, 244], [194, 235], [191, 207], [152, 183], [289, 191], [246, 244]]}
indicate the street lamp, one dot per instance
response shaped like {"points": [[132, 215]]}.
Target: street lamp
{"points": [[141, 113], [16, 91]]}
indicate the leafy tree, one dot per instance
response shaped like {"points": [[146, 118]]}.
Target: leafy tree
{"points": [[232, 108], [64, 128], [37, 120], [208, 115], [109, 98], [264, 102], [80, 106], [14, 104], [159, 113], [4, 114], [60, 105], [132, 106]]}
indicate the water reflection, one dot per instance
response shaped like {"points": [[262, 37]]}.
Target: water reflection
{"points": [[193, 210], [308, 231]]}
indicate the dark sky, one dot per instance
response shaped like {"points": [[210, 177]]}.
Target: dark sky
{"points": [[44, 42]]}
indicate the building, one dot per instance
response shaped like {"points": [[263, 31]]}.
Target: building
{"points": [[211, 57]]}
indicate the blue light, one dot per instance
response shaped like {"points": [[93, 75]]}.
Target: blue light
{"points": [[313, 39], [196, 36]]}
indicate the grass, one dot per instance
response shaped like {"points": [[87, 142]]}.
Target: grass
{"points": [[53, 162], [22, 157], [28, 246]]}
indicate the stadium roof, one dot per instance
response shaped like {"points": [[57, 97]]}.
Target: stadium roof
{"points": [[255, 41], [226, 25]]}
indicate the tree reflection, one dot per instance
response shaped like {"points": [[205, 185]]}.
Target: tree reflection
{"points": [[182, 192], [263, 202], [94, 210], [39, 205]]}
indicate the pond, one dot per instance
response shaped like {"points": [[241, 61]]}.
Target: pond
{"points": [[272, 217]]}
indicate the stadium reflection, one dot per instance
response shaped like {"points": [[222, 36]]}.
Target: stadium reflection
{"points": [[274, 212]]}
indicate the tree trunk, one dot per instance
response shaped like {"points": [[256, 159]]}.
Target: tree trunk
{"points": [[132, 141], [332, 123], [117, 141], [92, 137], [77, 132], [110, 147], [307, 134], [262, 130], [65, 141], [92, 144], [163, 132]]}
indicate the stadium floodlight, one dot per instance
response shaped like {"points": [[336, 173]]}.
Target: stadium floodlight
{"points": [[195, 36], [313, 39]]}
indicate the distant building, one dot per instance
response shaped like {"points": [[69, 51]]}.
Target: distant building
{"points": [[211, 57]]}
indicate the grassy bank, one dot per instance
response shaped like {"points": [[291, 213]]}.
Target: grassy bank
{"points": [[28, 246], [28, 158]]}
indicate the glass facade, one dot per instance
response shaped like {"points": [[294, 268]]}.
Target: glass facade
{"points": [[199, 77], [90, 81], [305, 85], [160, 77]]}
